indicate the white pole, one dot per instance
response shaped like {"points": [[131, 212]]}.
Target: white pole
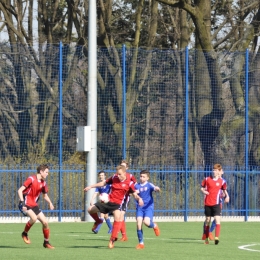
{"points": [[91, 173]]}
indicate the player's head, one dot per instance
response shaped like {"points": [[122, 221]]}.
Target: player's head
{"points": [[43, 170], [124, 163], [102, 175], [217, 170], [121, 172], [144, 176]]}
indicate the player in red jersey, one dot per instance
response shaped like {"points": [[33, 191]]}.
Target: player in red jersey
{"points": [[212, 187], [125, 204], [29, 194], [120, 185]]}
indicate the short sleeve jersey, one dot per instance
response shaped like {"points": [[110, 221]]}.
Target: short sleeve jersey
{"points": [[120, 189], [104, 189], [33, 190], [145, 191], [214, 187]]}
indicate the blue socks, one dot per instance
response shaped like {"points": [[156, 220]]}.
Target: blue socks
{"points": [[140, 236], [109, 223]]}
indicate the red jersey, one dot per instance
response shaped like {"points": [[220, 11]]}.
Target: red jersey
{"points": [[119, 189], [214, 187], [34, 188]]}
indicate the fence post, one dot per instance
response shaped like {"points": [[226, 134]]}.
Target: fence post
{"points": [[246, 138], [60, 133], [186, 131], [124, 103]]}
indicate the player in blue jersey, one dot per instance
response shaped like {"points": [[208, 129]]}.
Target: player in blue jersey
{"points": [[144, 214], [99, 190]]}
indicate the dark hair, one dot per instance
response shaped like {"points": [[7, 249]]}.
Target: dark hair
{"points": [[145, 172], [102, 172], [42, 167]]}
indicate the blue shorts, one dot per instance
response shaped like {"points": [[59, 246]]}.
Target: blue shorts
{"points": [[144, 213]]}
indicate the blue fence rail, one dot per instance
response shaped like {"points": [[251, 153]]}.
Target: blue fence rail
{"points": [[180, 195]]}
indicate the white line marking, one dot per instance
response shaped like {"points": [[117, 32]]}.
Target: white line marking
{"points": [[245, 247]]}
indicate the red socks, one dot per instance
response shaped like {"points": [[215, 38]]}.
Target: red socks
{"points": [[217, 232], [95, 217], [27, 227], [123, 229], [207, 231], [116, 229], [46, 233]]}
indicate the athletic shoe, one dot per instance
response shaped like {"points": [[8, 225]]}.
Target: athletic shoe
{"points": [[96, 225], [95, 231], [140, 246], [216, 240], [156, 230], [211, 237], [110, 231], [206, 242], [111, 243], [26, 238], [46, 244], [203, 237], [124, 239]]}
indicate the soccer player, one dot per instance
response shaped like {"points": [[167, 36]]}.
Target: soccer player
{"points": [[224, 198], [211, 187], [125, 205], [99, 190], [120, 185], [144, 214], [29, 194]]}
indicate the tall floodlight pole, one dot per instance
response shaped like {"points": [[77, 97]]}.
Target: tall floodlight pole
{"points": [[91, 173]]}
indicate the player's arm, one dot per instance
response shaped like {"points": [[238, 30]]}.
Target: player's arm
{"points": [[226, 196], [20, 194], [204, 191], [138, 198], [47, 199], [99, 184], [93, 198]]}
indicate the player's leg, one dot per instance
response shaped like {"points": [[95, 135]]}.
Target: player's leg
{"points": [[217, 212], [148, 221], [208, 214], [99, 225], [212, 228], [139, 221], [123, 226], [203, 231], [28, 225], [45, 230], [116, 228], [107, 219], [93, 212]]}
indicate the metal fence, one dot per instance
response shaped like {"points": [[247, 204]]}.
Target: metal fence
{"points": [[180, 195], [174, 112]]}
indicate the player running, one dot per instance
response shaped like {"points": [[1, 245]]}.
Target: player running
{"points": [[224, 197], [99, 190], [144, 214], [29, 194], [125, 205], [120, 185], [211, 187]]}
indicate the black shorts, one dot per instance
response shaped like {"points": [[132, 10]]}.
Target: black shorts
{"points": [[35, 209], [107, 208], [125, 203], [212, 211]]}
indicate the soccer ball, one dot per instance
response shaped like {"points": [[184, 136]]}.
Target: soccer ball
{"points": [[104, 198]]}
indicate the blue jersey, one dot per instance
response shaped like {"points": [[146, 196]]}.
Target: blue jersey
{"points": [[104, 189], [145, 192]]}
